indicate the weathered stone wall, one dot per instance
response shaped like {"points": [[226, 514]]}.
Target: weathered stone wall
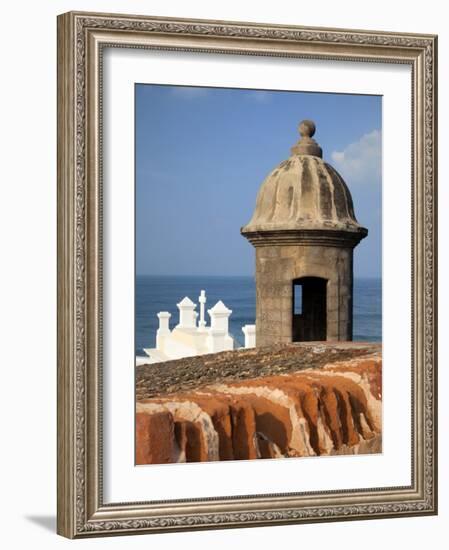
{"points": [[276, 268], [321, 407]]}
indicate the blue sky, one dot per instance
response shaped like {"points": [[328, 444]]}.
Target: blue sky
{"points": [[202, 154]]}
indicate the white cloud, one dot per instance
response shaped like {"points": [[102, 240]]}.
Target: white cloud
{"points": [[189, 92], [361, 161]]}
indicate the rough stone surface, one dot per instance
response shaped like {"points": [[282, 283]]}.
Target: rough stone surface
{"points": [[276, 269], [304, 225], [303, 400], [192, 372], [304, 192], [155, 435]]}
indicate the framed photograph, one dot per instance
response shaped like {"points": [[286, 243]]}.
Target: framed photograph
{"points": [[246, 274]]}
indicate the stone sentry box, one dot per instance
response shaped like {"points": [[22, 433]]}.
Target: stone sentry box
{"points": [[304, 231]]}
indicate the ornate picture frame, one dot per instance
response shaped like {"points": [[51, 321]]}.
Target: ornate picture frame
{"points": [[82, 39]]}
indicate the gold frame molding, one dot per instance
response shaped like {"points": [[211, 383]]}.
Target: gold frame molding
{"points": [[81, 39]]}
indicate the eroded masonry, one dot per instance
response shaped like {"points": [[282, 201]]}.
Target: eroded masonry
{"points": [[304, 231]]}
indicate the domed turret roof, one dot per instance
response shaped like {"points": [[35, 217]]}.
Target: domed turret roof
{"points": [[304, 193]]}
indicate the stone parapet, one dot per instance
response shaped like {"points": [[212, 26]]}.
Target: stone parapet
{"points": [[309, 400]]}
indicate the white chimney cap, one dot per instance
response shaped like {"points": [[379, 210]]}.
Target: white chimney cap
{"points": [[219, 307], [186, 302]]}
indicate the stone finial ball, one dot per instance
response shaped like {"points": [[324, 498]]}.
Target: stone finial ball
{"points": [[307, 128]]}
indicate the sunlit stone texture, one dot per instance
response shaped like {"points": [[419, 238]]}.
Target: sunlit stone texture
{"points": [[304, 231], [297, 400]]}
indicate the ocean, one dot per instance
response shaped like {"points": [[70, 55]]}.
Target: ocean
{"points": [[162, 293]]}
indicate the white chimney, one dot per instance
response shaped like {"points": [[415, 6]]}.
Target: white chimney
{"points": [[219, 317], [187, 316], [164, 328], [250, 335]]}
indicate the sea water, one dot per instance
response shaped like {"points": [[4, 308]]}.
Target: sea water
{"points": [[162, 293]]}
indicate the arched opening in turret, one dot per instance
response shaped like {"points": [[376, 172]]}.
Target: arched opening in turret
{"points": [[309, 305]]}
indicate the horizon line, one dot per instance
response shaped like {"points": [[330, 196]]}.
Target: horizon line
{"points": [[235, 275]]}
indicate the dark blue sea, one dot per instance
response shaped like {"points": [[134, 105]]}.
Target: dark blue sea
{"points": [[162, 293]]}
